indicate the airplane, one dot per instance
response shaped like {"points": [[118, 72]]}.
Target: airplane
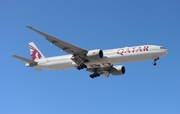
{"points": [[97, 61]]}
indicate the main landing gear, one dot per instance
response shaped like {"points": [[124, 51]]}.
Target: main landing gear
{"points": [[94, 75], [79, 61], [154, 63], [81, 66]]}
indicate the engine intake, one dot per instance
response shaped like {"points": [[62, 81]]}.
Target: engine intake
{"points": [[117, 70], [94, 54]]}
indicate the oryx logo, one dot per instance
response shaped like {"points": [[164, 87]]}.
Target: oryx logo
{"points": [[35, 54]]}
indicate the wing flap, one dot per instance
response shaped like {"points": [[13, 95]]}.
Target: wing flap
{"points": [[67, 47]]}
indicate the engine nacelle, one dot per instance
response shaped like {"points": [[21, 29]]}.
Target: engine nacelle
{"points": [[94, 54], [117, 70]]}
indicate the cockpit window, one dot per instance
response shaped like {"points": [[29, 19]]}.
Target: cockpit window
{"points": [[162, 48]]}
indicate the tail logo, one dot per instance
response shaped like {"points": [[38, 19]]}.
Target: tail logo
{"points": [[35, 54]]}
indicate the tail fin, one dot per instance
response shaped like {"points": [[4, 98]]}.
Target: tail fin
{"points": [[35, 53]]}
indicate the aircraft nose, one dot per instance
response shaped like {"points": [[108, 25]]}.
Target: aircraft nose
{"points": [[164, 50], [167, 51]]}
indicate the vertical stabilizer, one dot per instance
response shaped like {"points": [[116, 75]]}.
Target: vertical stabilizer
{"points": [[35, 52]]}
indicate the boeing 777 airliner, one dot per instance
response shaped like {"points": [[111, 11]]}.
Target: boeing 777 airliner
{"points": [[97, 61]]}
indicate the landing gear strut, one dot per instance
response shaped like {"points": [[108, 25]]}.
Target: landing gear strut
{"points": [[81, 66], [154, 63], [79, 61], [94, 75]]}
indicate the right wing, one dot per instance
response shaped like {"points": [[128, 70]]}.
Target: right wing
{"points": [[67, 47]]}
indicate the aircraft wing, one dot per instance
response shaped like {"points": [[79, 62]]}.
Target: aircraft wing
{"points": [[67, 47]]}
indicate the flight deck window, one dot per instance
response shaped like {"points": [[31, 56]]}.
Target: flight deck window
{"points": [[162, 48]]}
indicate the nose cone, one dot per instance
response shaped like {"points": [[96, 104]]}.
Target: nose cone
{"points": [[165, 51]]}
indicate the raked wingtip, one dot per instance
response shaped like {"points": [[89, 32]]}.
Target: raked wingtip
{"points": [[28, 26]]}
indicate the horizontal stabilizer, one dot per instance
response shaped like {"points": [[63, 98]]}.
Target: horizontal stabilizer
{"points": [[23, 59]]}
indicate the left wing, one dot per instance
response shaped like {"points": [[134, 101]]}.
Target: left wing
{"points": [[67, 47]]}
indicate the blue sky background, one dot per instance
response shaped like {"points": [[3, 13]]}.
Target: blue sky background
{"points": [[90, 24]]}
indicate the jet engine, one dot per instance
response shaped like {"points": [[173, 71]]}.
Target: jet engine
{"points": [[117, 70], [94, 54]]}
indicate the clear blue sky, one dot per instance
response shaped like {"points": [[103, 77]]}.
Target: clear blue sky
{"points": [[90, 24]]}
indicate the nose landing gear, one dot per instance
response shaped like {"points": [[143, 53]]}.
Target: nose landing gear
{"points": [[154, 63]]}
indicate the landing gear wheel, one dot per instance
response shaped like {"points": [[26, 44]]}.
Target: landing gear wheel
{"points": [[81, 66], [97, 75], [154, 64], [78, 67], [94, 75]]}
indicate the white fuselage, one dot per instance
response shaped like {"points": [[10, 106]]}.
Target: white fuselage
{"points": [[111, 56]]}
